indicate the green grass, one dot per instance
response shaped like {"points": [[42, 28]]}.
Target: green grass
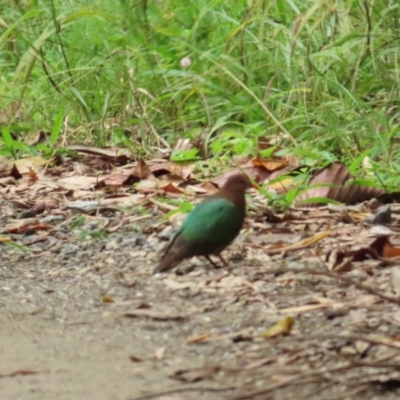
{"points": [[320, 76]]}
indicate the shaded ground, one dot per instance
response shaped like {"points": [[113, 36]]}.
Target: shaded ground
{"points": [[87, 319]]}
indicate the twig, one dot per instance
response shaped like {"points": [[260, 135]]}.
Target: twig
{"points": [[269, 388], [182, 390], [348, 395], [301, 378], [323, 373], [309, 395], [353, 338], [358, 285], [342, 278]]}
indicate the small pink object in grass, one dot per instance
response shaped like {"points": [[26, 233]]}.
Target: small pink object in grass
{"points": [[186, 62]]}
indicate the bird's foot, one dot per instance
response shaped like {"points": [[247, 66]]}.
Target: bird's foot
{"points": [[212, 262], [224, 263]]}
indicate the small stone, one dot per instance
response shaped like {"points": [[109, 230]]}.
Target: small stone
{"points": [[112, 245], [348, 351], [382, 216]]}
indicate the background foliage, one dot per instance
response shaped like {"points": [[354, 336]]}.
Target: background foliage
{"points": [[320, 75]]}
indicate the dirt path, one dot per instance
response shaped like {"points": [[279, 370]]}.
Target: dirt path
{"points": [[87, 319]]}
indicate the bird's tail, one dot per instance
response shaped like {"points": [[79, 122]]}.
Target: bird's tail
{"points": [[175, 253], [169, 261]]}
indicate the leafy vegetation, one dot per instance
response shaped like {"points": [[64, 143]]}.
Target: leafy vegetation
{"points": [[319, 77]]}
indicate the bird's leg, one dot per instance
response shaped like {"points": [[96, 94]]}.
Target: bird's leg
{"points": [[223, 261], [211, 261]]}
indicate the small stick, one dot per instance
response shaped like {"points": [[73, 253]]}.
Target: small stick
{"points": [[182, 390]]}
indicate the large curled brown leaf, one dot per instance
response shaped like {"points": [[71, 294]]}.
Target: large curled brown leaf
{"points": [[336, 175]]}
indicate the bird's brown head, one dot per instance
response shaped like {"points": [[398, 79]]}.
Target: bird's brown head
{"points": [[234, 190], [238, 183]]}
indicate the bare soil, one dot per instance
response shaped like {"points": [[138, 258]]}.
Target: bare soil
{"points": [[87, 319]]}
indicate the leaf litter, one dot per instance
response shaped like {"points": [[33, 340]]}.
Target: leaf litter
{"points": [[310, 299]]}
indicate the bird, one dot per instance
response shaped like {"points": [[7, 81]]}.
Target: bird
{"points": [[211, 226]]}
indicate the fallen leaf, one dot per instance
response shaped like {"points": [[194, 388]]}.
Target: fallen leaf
{"points": [[330, 181], [15, 172], [32, 176], [142, 170], [171, 188], [271, 164], [107, 299], [22, 226], [283, 327]]}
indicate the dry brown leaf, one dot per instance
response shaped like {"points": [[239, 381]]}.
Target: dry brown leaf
{"points": [[116, 180], [171, 188], [25, 165], [32, 176], [205, 187], [22, 226], [183, 169], [341, 261], [71, 183], [271, 164], [47, 204], [15, 172], [336, 175], [147, 186], [258, 174], [142, 170], [170, 178]]}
